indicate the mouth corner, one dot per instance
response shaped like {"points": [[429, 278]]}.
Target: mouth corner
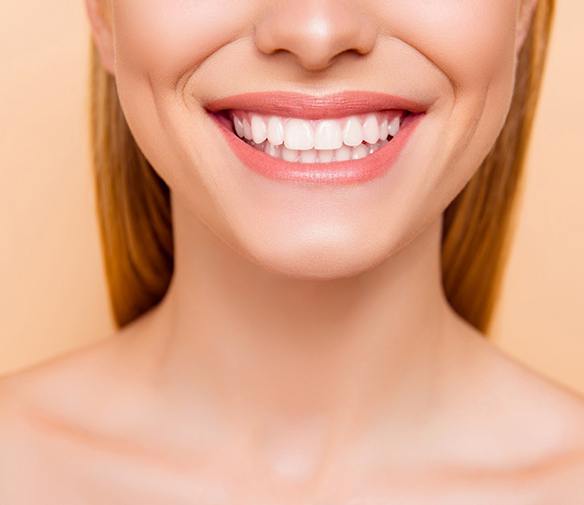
{"points": [[281, 140]]}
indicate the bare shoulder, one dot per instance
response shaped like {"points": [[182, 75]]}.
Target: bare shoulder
{"points": [[78, 378], [80, 387], [42, 404], [53, 381], [65, 386], [553, 407], [556, 479], [566, 484], [558, 421], [535, 424], [53, 386]]}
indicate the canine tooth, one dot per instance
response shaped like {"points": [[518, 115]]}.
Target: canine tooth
{"points": [[393, 128], [353, 132], [328, 135], [238, 125], [298, 134], [344, 153], [360, 151], [275, 131], [308, 156], [371, 129], [258, 129], [326, 155], [383, 129], [247, 129], [289, 154]]}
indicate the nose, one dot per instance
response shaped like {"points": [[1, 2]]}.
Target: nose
{"points": [[315, 31]]}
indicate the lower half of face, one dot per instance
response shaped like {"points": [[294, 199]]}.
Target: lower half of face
{"points": [[298, 184]]}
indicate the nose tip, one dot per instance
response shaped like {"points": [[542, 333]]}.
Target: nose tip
{"points": [[315, 31]]}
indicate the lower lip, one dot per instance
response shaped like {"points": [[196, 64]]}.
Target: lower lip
{"points": [[333, 173]]}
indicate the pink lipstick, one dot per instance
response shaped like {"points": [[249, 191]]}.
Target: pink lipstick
{"points": [[340, 108]]}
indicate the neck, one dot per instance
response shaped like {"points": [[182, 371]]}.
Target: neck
{"points": [[278, 353]]}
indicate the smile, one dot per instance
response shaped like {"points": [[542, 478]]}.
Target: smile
{"points": [[323, 141], [337, 139]]}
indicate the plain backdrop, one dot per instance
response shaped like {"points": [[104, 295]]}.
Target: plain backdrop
{"points": [[53, 296]]}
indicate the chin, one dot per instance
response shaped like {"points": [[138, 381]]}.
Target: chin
{"points": [[317, 260]]}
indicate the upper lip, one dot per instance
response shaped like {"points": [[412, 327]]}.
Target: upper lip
{"points": [[292, 104]]}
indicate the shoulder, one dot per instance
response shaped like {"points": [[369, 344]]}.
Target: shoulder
{"points": [[536, 403], [81, 388], [532, 425], [62, 387], [80, 376], [511, 419], [18, 457], [556, 479], [47, 385], [41, 405], [558, 419], [52, 381]]}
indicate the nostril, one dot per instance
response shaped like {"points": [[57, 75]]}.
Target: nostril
{"points": [[315, 33]]}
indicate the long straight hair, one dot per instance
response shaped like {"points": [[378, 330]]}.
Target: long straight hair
{"points": [[135, 221]]}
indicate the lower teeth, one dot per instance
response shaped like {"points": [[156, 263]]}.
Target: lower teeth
{"points": [[345, 153]]}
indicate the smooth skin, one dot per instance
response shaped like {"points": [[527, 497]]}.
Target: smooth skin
{"points": [[305, 352]]}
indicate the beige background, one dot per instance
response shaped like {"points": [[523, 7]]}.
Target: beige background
{"points": [[53, 294]]}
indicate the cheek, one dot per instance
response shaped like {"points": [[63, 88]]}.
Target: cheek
{"points": [[168, 37], [472, 42], [158, 45], [161, 43], [466, 39]]}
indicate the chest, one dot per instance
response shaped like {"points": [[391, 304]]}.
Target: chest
{"points": [[91, 481], [67, 473]]}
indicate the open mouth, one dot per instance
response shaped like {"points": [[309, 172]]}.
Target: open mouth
{"points": [[344, 138], [316, 141]]}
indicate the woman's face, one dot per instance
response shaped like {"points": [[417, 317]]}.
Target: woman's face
{"points": [[450, 63]]}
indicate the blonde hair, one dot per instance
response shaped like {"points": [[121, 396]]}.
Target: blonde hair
{"points": [[133, 203]]}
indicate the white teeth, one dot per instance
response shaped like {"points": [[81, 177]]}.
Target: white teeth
{"points": [[258, 129], [344, 153], [393, 128], [317, 141], [275, 131], [238, 124], [375, 147], [383, 131], [326, 155], [353, 132], [298, 134], [360, 151], [328, 135], [272, 150], [309, 156], [289, 154], [247, 130], [371, 129]]}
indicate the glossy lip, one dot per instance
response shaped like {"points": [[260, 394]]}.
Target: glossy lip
{"points": [[290, 104], [310, 107]]}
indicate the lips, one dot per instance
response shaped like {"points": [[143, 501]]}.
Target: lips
{"points": [[297, 105], [315, 107]]}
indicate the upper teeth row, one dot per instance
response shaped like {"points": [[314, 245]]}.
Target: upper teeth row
{"points": [[303, 134]]}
